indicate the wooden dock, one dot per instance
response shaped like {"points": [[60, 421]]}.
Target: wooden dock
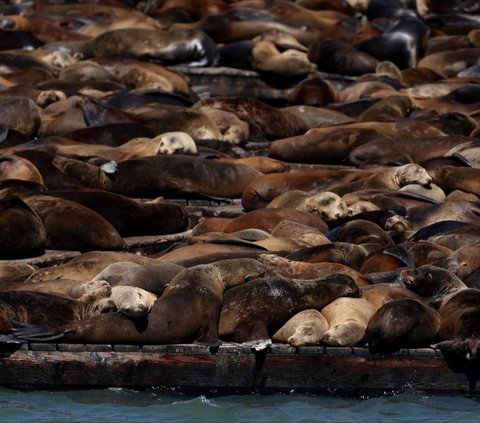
{"points": [[232, 368]]}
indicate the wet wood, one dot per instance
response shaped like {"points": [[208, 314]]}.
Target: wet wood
{"points": [[232, 368]]}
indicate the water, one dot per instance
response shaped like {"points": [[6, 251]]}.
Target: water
{"points": [[126, 405]]}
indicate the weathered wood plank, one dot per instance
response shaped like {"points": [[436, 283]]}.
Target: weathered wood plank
{"points": [[232, 368]]}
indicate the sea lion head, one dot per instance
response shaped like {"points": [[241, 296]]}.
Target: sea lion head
{"points": [[328, 205], [412, 173], [343, 335], [176, 142], [132, 301], [305, 334]]}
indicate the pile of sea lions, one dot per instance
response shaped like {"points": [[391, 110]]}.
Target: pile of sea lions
{"points": [[358, 194]]}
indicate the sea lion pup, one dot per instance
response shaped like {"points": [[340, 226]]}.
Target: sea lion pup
{"points": [[347, 320], [128, 216], [150, 277], [260, 191], [406, 323], [327, 204], [57, 215], [86, 266], [301, 270], [265, 122], [256, 309], [403, 150], [15, 167], [304, 328], [153, 176], [394, 177], [187, 311], [191, 47]]}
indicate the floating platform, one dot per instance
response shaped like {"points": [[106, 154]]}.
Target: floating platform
{"points": [[231, 369]]}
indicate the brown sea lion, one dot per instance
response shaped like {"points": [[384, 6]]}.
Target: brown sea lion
{"points": [[303, 235], [42, 309], [155, 175], [449, 63], [260, 191], [187, 311], [20, 114], [86, 266], [15, 167], [71, 226], [151, 277], [304, 270], [255, 310], [23, 232], [132, 301], [304, 328], [427, 252], [266, 122], [318, 117], [267, 219], [406, 323], [313, 91], [11, 271], [451, 178], [463, 261], [347, 320], [380, 293], [128, 216]]}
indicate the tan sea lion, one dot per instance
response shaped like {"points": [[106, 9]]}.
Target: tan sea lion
{"points": [[11, 271], [380, 293], [257, 309], [304, 328], [347, 320], [187, 311], [15, 167], [132, 300], [303, 235]]}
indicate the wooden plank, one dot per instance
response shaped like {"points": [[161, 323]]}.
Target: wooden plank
{"points": [[233, 368]]}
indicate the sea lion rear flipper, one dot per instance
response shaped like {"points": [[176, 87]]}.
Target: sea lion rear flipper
{"points": [[35, 333]]}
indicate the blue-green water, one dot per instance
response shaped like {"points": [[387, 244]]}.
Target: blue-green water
{"points": [[126, 405]]}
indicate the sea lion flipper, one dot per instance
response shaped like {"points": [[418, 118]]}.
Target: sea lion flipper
{"points": [[36, 333]]}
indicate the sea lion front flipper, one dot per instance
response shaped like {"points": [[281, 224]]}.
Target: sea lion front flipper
{"points": [[34, 333]]}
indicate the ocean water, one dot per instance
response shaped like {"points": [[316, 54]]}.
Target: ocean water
{"points": [[127, 405]]}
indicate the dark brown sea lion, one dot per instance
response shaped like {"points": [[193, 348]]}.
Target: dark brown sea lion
{"points": [[194, 48], [265, 121], [257, 309], [406, 323], [22, 230], [264, 189], [131, 217], [71, 226], [187, 311], [156, 175], [403, 150], [41, 308], [360, 231], [347, 319], [313, 91], [20, 114]]}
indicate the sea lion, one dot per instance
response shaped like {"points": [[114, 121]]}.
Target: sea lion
{"points": [[187, 311], [347, 320], [312, 91], [303, 235], [128, 216], [86, 266], [188, 47], [156, 175], [394, 177], [327, 204], [449, 63], [382, 292], [11, 271], [20, 114], [23, 233], [464, 260], [15, 167], [405, 323], [304, 328], [427, 252], [318, 117], [304, 270], [260, 191], [360, 231], [267, 219], [61, 219], [132, 300], [150, 277], [256, 309]]}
